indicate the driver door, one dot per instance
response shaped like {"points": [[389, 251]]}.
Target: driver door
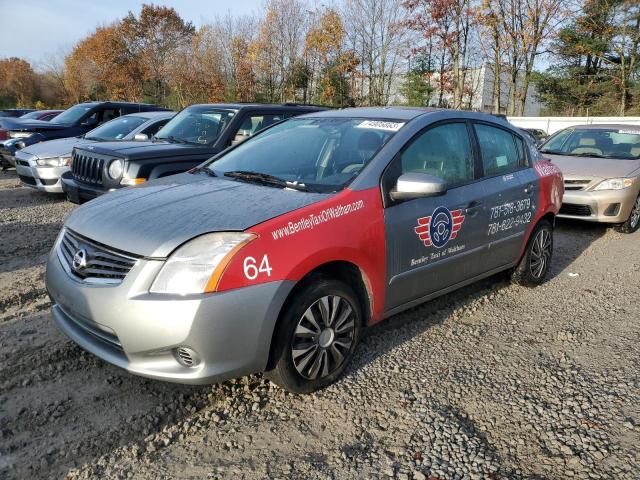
{"points": [[433, 242]]}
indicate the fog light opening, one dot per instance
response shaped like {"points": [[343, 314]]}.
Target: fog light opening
{"points": [[187, 357]]}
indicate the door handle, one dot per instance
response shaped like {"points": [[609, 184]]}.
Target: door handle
{"points": [[473, 208], [529, 189]]}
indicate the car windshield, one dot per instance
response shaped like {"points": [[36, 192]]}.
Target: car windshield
{"points": [[200, 126], [71, 115], [320, 154], [115, 129], [35, 114], [621, 143]]}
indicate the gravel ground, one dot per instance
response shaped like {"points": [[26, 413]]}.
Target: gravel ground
{"points": [[492, 381]]}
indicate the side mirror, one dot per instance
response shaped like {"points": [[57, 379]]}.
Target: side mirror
{"points": [[141, 137], [418, 185]]}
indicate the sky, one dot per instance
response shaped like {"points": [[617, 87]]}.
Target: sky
{"points": [[38, 29]]}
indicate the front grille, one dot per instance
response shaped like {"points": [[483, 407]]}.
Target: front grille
{"points": [[49, 181], [24, 163], [101, 264], [86, 168], [575, 210], [576, 184], [27, 180]]}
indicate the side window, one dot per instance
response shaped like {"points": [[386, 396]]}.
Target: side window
{"points": [[153, 129], [443, 151], [254, 123], [498, 150]]}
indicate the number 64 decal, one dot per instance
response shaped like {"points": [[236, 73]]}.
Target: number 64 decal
{"points": [[252, 270]]}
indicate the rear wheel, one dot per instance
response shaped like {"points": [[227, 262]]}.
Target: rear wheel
{"points": [[633, 222], [316, 336], [535, 262]]}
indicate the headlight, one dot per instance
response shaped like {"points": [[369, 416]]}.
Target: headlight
{"points": [[614, 184], [54, 161], [116, 168], [196, 267], [19, 134]]}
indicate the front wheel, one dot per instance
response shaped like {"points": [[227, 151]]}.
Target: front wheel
{"points": [[633, 222], [316, 336], [535, 262]]}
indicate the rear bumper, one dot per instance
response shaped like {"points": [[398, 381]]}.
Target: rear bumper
{"points": [[607, 206], [229, 332], [78, 192], [45, 179]]}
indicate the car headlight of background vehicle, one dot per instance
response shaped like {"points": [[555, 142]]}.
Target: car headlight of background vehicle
{"points": [[614, 184], [54, 161], [19, 134], [116, 168], [196, 266]]}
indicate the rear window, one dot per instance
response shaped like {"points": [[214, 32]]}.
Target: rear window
{"points": [[115, 129]]}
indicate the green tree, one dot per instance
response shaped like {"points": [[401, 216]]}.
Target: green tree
{"points": [[416, 89]]}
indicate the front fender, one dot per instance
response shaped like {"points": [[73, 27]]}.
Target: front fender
{"points": [[346, 227]]}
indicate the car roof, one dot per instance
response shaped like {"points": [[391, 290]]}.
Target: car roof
{"points": [[376, 113], [151, 115], [279, 106], [116, 102]]}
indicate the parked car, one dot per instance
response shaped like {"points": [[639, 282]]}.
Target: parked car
{"points": [[40, 166], [274, 255], [44, 115], [16, 133], [601, 167], [14, 112], [539, 135], [192, 136], [536, 136]]}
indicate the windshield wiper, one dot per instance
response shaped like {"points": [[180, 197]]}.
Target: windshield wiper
{"points": [[266, 179], [552, 152]]}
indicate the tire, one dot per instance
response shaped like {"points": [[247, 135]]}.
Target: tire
{"points": [[633, 222], [534, 264], [316, 336]]}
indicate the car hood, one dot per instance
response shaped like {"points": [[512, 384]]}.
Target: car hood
{"points": [[54, 148], [28, 124], [154, 218], [594, 167], [157, 149]]}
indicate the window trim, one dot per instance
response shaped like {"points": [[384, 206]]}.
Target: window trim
{"points": [[520, 167], [385, 189]]}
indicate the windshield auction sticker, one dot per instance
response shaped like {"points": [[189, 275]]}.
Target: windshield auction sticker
{"points": [[380, 125]]}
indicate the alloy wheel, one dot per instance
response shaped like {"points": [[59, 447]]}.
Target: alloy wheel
{"points": [[540, 253], [323, 337]]}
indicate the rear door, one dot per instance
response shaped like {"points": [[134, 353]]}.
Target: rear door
{"points": [[435, 242], [509, 190]]}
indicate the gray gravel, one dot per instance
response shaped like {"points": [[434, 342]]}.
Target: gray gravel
{"points": [[493, 381]]}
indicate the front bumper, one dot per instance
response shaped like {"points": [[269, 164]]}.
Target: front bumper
{"points": [[607, 206], [45, 179], [78, 192], [133, 329]]}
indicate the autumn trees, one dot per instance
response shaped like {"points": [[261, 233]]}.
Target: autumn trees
{"points": [[355, 52]]}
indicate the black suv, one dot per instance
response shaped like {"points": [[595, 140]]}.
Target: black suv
{"points": [[17, 133], [194, 135]]}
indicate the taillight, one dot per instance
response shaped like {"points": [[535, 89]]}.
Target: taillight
{"points": [[3, 134]]}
